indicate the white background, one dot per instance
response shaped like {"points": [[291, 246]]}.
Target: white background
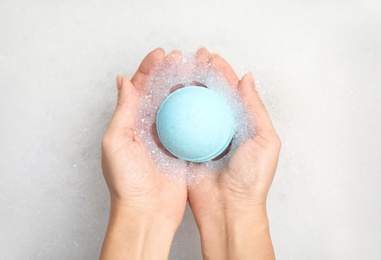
{"points": [[318, 68]]}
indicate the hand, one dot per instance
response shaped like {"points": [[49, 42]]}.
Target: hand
{"points": [[146, 207], [230, 206]]}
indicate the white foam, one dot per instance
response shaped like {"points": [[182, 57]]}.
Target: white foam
{"points": [[161, 81]]}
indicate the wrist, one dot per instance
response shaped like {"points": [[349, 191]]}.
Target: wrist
{"points": [[226, 216], [144, 211], [237, 234], [134, 233]]}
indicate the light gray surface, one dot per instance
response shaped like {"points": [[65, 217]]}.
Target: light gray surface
{"points": [[317, 64]]}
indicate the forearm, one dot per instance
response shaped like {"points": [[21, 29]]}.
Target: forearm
{"points": [[237, 235], [136, 235]]}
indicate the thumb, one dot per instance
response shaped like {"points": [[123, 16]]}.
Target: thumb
{"points": [[123, 120], [254, 105]]}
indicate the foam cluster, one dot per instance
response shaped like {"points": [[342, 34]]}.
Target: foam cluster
{"points": [[167, 78]]}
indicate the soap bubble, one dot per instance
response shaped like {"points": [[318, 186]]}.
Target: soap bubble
{"points": [[169, 77]]}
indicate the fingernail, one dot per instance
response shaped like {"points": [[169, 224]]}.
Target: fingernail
{"points": [[160, 48], [250, 74], [119, 82], [202, 47]]}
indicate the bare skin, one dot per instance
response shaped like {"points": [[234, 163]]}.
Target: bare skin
{"points": [[147, 208], [230, 206]]}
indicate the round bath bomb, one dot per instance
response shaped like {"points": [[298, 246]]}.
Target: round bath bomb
{"points": [[195, 124]]}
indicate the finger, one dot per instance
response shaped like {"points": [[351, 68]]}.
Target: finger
{"points": [[202, 57], [254, 105], [222, 66], [174, 57], [123, 120], [152, 59]]}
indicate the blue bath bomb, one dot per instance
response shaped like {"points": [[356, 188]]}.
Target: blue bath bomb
{"points": [[195, 124]]}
